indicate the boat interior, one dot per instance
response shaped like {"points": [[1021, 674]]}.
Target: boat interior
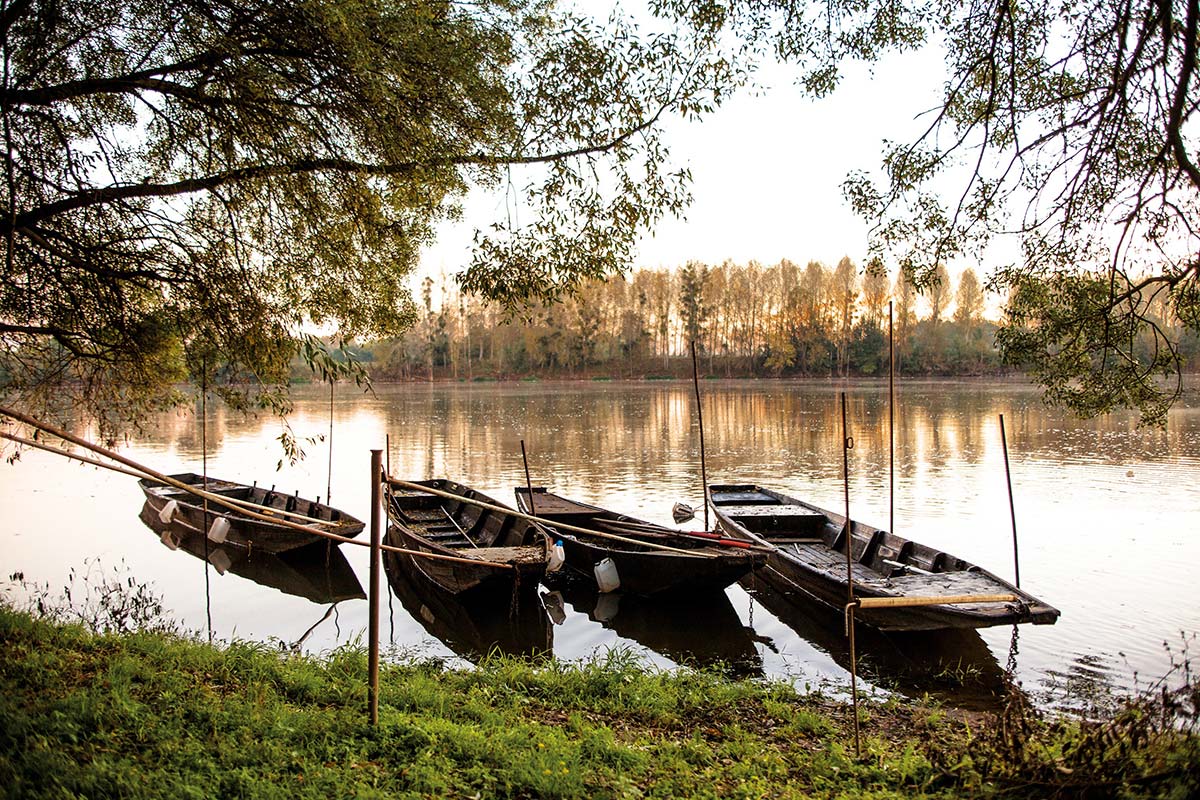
{"points": [[817, 536], [457, 524], [267, 498]]}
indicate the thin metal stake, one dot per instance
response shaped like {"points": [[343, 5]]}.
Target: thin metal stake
{"points": [[528, 484], [700, 421], [847, 445], [891, 424], [204, 471], [1012, 511], [373, 619], [329, 472], [853, 677]]}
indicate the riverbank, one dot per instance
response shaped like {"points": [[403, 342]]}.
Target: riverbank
{"points": [[157, 715]]}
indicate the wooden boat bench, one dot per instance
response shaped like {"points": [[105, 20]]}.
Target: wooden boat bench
{"points": [[800, 521]]}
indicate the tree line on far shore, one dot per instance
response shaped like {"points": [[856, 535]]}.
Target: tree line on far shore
{"points": [[747, 320]]}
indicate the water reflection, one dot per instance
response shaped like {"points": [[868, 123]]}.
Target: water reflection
{"points": [[701, 630], [1106, 511], [953, 665], [317, 572], [472, 625]]}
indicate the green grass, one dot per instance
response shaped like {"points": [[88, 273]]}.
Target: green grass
{"points": [[156, 715]]}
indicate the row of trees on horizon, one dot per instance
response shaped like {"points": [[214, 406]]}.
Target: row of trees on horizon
{"points": [[746, 320]]}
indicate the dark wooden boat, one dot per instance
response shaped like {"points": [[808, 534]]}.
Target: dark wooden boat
{"points": [[697, 562], [188, 513], [510, 553], [809, 558], [318, 572]]}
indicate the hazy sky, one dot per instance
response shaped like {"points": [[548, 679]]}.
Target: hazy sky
{"points": [[767, 171]]}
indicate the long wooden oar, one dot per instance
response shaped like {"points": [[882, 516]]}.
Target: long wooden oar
{"points": [[144, 476], [714, 539], [223, 501], [541, 521]]}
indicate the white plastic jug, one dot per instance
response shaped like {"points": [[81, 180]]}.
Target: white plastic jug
{"points": [[557, 557], [218, 530], [606, 576]]}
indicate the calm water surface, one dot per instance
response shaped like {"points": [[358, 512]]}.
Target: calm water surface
{"points": [[1108, 517]]}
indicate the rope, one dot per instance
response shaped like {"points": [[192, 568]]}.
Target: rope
{"points": [[540, 520]]}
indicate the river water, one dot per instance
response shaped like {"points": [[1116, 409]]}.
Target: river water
{"points": [[1108, 517]]}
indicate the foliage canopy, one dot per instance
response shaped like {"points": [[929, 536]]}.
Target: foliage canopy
{"points": [[191, 183], [1069, 124]]}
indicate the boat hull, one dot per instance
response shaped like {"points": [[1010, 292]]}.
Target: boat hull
{"points": [[191, 518], [510, 554], [641, 570], [808, 559]]}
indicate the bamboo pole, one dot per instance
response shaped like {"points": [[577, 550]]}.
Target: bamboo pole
{"points": [[21, 440], [1012, 510], [143, 476], [700, 422], [225, 502], [932, 600], [373, 620], [650, 529], [549, 522]]}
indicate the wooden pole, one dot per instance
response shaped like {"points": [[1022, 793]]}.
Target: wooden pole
{"points": [[891, 424], [700, 421], [1012, 511], [528, 483], [932, 600], [373, 622], [142, 476]]}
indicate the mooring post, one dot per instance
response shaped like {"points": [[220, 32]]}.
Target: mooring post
{"points": [[373, 619]]}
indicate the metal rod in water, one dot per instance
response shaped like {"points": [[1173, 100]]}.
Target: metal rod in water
{"points": [[373, 619], [1012, 511], [700, 421], [891, 424], [528, 483], [329, 471], [847, 444]]}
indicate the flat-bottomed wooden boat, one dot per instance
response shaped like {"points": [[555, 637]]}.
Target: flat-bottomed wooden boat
{"points": [[502, 551], [189, 514], [809, 558], [705, 563]]}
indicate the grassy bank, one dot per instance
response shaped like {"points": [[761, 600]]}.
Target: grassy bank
{"points": [[154, 715]]}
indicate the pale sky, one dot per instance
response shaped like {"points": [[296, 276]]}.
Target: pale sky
{"points": [[766, 170]]}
